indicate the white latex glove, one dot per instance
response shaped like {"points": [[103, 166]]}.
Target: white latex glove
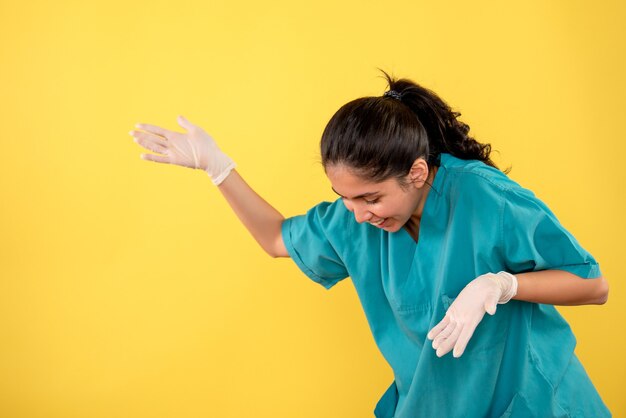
{"points": [[464, 314], [194, 149]]}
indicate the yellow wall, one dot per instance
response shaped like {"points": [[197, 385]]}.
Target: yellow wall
{"points": [[129, 289]]}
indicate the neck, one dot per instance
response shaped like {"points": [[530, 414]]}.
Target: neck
{"points": [[417, 215]]}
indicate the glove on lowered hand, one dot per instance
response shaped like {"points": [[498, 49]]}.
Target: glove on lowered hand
{"points": [[464, 314]]}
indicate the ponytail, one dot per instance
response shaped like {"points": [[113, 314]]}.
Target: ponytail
{"points": [[381, 137], [446, 134]]}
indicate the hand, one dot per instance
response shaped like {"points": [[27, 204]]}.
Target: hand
{"points": [[481, 295], [194, 149]]}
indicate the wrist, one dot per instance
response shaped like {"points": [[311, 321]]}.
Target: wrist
{"points": [[219, 167], [508, 284], [224, 173]]}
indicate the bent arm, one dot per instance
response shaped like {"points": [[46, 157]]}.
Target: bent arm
{"points": [[558, 287], [259, 217]]}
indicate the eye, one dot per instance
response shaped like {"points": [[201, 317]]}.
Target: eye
{"points": [[371, 202]]}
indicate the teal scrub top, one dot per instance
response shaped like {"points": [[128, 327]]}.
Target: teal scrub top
{"points": [[520, 362]]}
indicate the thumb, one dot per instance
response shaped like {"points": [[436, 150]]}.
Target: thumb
{"points": [[491, 305], [184, 123]]}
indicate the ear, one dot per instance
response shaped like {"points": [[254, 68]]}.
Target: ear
{"points": [[418, 173]]}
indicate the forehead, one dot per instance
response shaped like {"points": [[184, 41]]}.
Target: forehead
{"points": [[347, 183]]}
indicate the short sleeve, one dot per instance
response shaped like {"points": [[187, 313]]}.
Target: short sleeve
{"points": [[315, 241], [534, 239]]}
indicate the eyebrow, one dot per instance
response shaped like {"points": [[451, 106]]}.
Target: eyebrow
{"points": [[359, 196]]}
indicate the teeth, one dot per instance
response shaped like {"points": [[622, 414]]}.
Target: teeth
{"points": [[379, 222]]}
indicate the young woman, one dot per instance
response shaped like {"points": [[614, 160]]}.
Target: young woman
{"points": [[433, 236]]}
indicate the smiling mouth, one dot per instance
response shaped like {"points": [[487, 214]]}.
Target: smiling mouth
{"points": [[379, 223]]}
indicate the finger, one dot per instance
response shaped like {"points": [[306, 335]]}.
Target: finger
{"points": [[438, 328], [184, 123], [156, 158], [141, 137], [464, 337], [150, 136], [449, 343], [443, 335], [151, 145], [157, 130]]}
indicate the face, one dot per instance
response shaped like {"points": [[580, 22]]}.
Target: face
{"points": [[385, 204]]}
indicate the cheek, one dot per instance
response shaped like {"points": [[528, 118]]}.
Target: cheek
{"points": [[401, 209], [393, 209]]}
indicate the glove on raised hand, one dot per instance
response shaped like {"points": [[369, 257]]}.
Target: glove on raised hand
{"points": [[464, 314], [194, 149]]}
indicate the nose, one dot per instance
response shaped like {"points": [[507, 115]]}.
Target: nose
{"points": [[348, 205], [362, 215]]}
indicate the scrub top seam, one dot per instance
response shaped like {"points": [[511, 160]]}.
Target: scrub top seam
{"points": [[592, 268], [501, 247], [537, 362], [484, 176]]}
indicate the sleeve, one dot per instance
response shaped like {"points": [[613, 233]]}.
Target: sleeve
{"points": [[314, 242], [534, 239]]}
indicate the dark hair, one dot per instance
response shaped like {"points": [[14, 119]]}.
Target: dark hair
{"points": [[381, 137]]}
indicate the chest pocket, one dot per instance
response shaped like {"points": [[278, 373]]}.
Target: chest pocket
{"points": [[413, 304], [414, 320]]}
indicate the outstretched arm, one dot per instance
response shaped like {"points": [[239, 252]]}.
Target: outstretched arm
{"points": [[196, 149], [259, 217]]}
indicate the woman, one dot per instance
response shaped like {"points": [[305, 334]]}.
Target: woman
{"points": [[433, 236]]}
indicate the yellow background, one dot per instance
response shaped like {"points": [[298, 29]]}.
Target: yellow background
{"points": [[129, 289]]}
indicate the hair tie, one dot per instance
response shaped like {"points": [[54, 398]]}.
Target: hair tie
{"points": [[394, 94]]}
